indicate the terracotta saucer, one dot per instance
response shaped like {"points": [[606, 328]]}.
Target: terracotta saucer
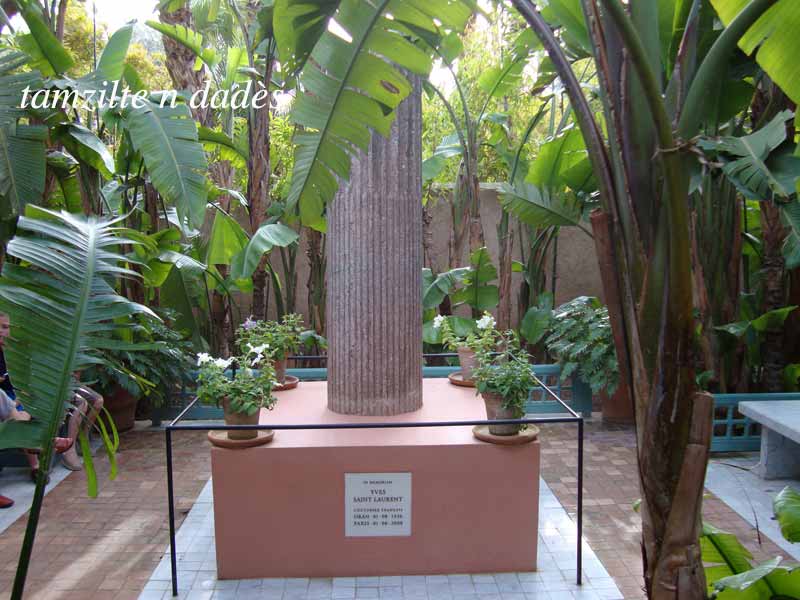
{"points": [[220, 440], [457, 378], [525, 436], [289, 384]]}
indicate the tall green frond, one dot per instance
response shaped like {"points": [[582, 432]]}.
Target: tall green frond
{"points": [[46, 53], [352, 84], [773, 38], [58, 297], [166, 137]]}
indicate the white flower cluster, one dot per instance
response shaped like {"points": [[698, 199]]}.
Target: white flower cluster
{"points": [[437, 321], [204, 358], [486, 322], [257, 352]]}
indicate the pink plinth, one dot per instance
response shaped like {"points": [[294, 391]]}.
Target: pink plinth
{"points": [[280, 509]]}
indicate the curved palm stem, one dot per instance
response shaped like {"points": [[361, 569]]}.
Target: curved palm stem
{"points": [[598, 153]]}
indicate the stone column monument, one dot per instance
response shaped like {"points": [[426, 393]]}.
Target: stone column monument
{"points": [[374, 302]]}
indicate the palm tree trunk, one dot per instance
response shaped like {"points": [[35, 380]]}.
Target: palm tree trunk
{"points": [[180, 62], [258, 174], [505, 239], [773, 282]]}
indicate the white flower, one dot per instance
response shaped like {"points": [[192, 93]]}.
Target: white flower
{"points": [[437, 321], [486, 322], [223, 363], [258, 349], [203, 358]]}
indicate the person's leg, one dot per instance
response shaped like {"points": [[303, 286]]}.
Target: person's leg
{"points": [[95, 401], [76, 416]]}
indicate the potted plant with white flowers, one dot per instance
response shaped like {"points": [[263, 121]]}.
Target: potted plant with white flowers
{"points": [[243, 392], [504, 381], [484, 337], [278, 339]]}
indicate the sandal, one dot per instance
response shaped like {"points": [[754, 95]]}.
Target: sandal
{"points": [[60, 445]]}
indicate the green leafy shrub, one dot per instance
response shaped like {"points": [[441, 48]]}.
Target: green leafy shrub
{"points": [[161, 361], [582, 342]]}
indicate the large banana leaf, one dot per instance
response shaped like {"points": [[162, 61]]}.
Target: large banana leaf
{"points": [[478, 292], [60, 300], [264, 240], [730, 574], [746, 160], [562, 161], [791, 245], [22, 147], [236, 151], [501, 79], [352, 86], [787, 511], [539, 208], [298, 27], [46, 53], [774, 39], [22, 167], [190, 39], [167, 139]]}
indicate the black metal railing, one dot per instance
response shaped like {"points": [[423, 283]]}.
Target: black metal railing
{"points": [[176, 425]]}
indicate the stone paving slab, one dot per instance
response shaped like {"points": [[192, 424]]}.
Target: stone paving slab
{"points": [[555, 576]]}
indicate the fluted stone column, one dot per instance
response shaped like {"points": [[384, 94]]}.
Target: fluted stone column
{"points": [[374, 303]]}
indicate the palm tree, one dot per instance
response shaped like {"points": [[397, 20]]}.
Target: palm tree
{"points": [[641, 165], [60, 298]]}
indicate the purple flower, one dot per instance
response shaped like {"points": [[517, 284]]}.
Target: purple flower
{"points": [[249, 323]]}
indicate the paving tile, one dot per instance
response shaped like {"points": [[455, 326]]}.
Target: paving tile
{"points": [[122, 535]]}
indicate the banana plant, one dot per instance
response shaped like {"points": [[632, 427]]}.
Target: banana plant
{"points": [[731, 574], [650, 50], [61, 302], [787, 510], [469, 127], [351, 81]]}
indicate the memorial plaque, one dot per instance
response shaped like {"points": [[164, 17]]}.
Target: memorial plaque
{"points": [[377, 504]]}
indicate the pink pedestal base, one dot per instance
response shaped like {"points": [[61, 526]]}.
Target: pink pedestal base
{"points": [[280, 509]]}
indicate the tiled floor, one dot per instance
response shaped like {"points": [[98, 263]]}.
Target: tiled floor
{"points": [[109, 547], [554, 578], [16, 484], [733, 482]]}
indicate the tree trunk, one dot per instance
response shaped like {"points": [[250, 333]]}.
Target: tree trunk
{"points": [[375, 284], [317, 292], [180, 62], [258, 171], [505, 239], [773, 281]]}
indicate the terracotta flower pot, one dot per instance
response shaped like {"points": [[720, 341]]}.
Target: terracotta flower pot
{"points": [[280, 370], [121, 405], [495, 410], [234, 418], [469, 362]]}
